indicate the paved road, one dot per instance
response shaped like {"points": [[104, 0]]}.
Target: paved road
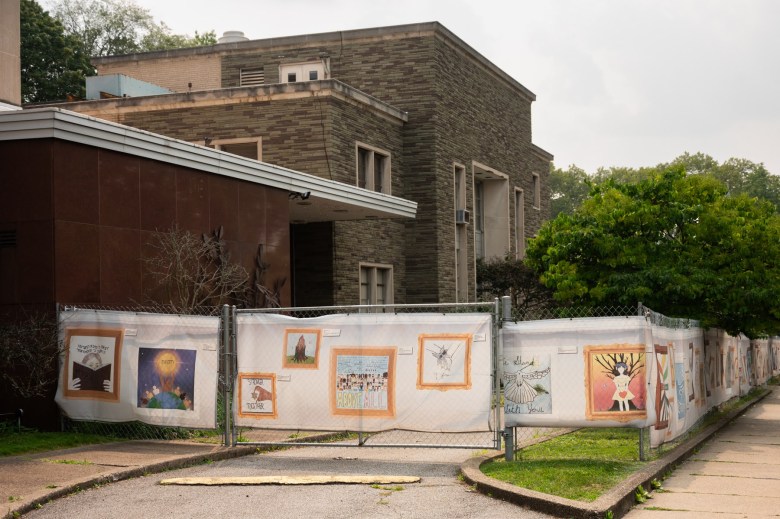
{"points": [[439, 494]]}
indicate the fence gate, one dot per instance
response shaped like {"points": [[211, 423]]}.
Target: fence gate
{"points": [[371, 376]]}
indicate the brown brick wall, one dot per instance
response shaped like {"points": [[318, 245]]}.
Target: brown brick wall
{"points": [[459, 110], [315, 135], [203, 71], [84, 218]]}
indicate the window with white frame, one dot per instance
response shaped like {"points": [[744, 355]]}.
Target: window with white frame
{"points": [[519, 224], [295, 72], [373, 168], [537, 190], [376, 284], [250, 148]]}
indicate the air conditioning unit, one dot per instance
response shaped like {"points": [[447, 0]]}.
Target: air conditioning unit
{"points": [[462, 216]]}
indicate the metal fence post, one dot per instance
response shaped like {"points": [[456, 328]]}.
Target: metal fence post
{"points": [[509, 447], [227, 366]]}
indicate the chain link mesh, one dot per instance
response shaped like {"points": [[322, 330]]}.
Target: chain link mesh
{"points": [[572, 312], [396, 437], [137, 430]]}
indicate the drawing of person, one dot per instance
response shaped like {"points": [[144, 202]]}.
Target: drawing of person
{"points": [[94, 363], [622, 394]]}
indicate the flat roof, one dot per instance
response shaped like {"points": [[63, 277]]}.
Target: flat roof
{"points": [[327, 200], [337, 38]]}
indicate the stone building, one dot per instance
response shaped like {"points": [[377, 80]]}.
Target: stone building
{"points": [[409, 111]]}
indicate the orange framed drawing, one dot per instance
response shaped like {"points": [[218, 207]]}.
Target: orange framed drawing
{"points": [[444, 361], [257, 395], [615, 382], [302, 348], [362, 382], [92, 363]]}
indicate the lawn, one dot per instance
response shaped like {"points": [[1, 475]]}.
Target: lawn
{"points": [[581, 465], [29, 441]]}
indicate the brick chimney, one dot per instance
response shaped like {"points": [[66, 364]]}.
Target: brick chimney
{"points": [[10, 63]]}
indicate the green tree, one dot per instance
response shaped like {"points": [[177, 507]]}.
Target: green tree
{"points": [[568, 189], [511, 277], [112, 27], [52, 63], [741, 176], [160, 37], [675, 242]]}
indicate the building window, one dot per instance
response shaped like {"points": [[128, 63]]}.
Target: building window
{"points": [[479, 218], [462, 219], [250, 148], [373, 168], [492, 220], [309, 71], [537, 191], [519, 224], [376, 284], [252, 77]]}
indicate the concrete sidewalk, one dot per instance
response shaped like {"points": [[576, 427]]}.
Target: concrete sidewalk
{"points": [[737, 473]]}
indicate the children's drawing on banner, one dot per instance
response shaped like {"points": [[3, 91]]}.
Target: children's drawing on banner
{"points": [[302, 348], [733, 360], [709, 359], [363, 381], [664, 383], [691, 379], [444, 361], [679, 376], [257, 395], [166, 378], [527, 385], [92, 361], [702, 378], [615, 381]]}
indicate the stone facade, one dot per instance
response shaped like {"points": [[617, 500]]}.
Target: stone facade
{"points": [[458, 109]]}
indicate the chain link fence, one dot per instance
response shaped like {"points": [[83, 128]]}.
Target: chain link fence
{"points": [[516, 438], [489, 439], [135, 429]]}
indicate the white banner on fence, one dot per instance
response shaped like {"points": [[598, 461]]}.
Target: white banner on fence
{"points": [[365, 372], [124, 366], [577, 373]]}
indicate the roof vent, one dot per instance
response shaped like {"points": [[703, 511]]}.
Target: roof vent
{"points": [[232, 37]]}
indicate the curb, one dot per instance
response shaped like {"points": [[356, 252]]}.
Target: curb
{"points": [[619, 500], [143, 470], [154, 468]]}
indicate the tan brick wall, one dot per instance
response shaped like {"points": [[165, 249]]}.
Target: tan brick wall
{"points": [[203, 71]]}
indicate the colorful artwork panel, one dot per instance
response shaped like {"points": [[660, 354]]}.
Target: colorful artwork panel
{"points": [[664, 386], [362, 382], [679, 372], [302, 348], [444, 361], [615, 382], [527, 385], [257, 395], [166, 379], [92, 363], [690, 380]]}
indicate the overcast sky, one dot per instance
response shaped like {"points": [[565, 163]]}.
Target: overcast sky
{"points": [[618, 82]]}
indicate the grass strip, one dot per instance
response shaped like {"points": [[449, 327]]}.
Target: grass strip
{"points": [[580, 465], [28, 442]]}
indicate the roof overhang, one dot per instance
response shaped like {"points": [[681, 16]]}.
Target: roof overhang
{"points": [[325, 200]]}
